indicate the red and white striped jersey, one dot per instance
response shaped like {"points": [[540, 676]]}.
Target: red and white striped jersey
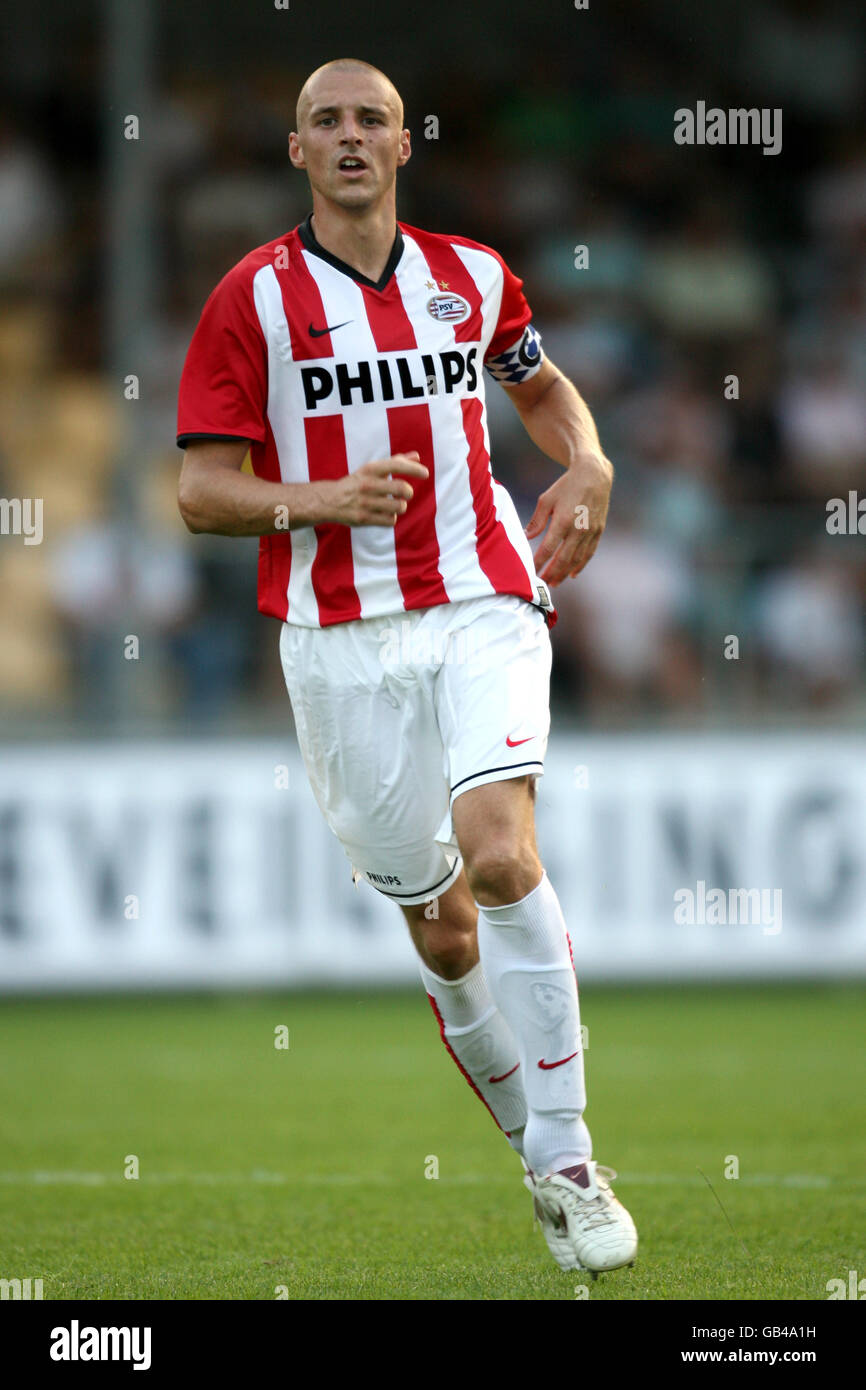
{"points": [[324, 370]]}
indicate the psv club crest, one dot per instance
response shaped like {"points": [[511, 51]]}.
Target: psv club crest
{"points": [[448, 308]]}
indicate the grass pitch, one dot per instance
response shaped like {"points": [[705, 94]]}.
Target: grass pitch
{"points": [[300, 1171]]}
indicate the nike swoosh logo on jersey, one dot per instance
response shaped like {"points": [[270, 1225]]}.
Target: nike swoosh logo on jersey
{"points": [[320, 332], [516, 742], [548, 1066], [505, 1076]]}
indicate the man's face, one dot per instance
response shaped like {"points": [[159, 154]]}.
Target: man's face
{"points": [[350, 139]]}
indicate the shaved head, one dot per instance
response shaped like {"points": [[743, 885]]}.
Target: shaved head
{"points": [[350, 142], [306, 97]]}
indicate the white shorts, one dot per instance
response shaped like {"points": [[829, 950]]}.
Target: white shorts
{"points": [[398, 716]]}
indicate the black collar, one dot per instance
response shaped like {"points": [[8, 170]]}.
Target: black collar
{"points": [[308, 238]]}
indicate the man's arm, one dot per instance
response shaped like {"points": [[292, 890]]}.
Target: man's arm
{"points": [[558, 421], [215, 496]]}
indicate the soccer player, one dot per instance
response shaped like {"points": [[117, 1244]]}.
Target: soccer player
{"points": [[348, 357]]}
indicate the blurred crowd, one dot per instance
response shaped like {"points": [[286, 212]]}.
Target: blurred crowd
{"points": [[715, 323]]}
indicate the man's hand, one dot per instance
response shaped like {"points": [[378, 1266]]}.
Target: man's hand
{"points": [[216, 497], [374, 495], [574, 510]]}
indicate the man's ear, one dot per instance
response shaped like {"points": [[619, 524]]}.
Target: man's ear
{"points": [[296, 154], [405, 148]]}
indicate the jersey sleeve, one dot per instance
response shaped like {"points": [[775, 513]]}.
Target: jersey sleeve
{"points": [[515, 353], [224, 384]]}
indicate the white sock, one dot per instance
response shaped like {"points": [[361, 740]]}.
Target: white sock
{"points": [[479, 1040], [527, 964]]}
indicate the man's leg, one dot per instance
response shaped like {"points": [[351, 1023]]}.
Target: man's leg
{"points": [[444, 932], [526, 958]]}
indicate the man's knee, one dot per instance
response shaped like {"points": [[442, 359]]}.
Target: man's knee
{"points": [[501, 868], [496, 832], [448, 952], [444, 931]]}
